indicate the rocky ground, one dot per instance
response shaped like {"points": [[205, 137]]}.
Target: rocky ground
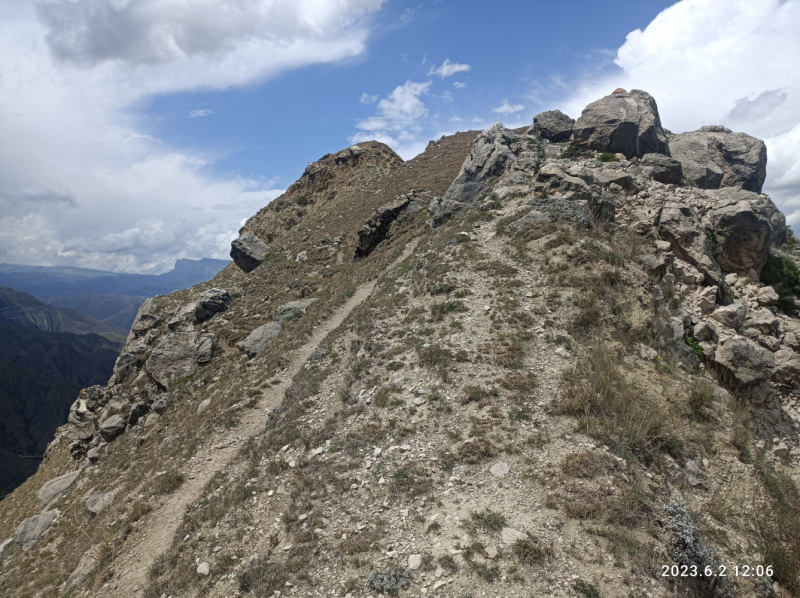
{"points": [[517, 365]]}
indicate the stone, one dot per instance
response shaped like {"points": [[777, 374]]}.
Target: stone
{"points": [[532, 217], [97, 502], [787, 370], [138, 410], [124, 367], [377, 227], [509, 535], [210, 302], [33, 528], [301, 256], [745, 226], [767, 296], [678, 223], [183, 315], [731, 316], [167, 440], [248, 251], [563, 353], [82, 419], [203, 406], [162, 402], [490, 157], [606, 178], [4, 547], [113, 427], [705, 331], [763, 320], [414, 561], [54, 488], [707, 299], [781, 451], [790, 340], [146, 318], [491, 552], [769, 342], [203, 569], [626, 123], [204, 347], [714, 157], [261, 337], [86, 565], [554, 125], [151, 420], [287, 310], [500, 469], [662, 168], [174, 357], [93, 454], [745, 363]]}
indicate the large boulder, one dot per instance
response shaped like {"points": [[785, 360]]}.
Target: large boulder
{"points": [[33, 528], [288, 310], [662, 168], [174, 357], [745, 363], [90, 559], [554, 125], [745, 226], [248, 251], [54, 488], [261, 338], [204, 347], [377, 227], [124, 367], [626, 123], [491, 154], [731, 316], [787, 369], [211, 302], [113, 427], [714, 157], [678, 224]]}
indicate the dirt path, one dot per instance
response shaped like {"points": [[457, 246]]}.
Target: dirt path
{"points": [[155, 534]]}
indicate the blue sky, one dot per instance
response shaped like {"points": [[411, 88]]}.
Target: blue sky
{"points": [[138, 132]]}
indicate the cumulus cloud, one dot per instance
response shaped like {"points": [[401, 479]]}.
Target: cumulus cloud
{"points": [[200, 113], [448, 69], [459, 85], [720, 62], [368, 99], [81, 182], [508, 108]]}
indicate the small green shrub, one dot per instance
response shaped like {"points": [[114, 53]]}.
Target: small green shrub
{"points": [[488, 520], [698, 350], [608, 157]]}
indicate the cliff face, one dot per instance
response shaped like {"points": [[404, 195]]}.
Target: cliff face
{"points": [[509, 365]]}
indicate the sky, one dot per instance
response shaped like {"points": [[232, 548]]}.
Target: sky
{"points": [[137, 132]]}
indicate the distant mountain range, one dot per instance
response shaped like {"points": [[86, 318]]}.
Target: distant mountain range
{"points": [[108, 296]]}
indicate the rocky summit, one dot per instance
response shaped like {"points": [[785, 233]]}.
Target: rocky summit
{"points": [[560, 360]]}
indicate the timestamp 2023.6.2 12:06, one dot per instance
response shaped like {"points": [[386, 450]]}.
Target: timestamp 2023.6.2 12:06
{"points": [[716, 571]]}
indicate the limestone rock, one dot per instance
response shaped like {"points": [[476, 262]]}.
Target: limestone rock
{"points": [[732, 316], [86, 565], [763, 320], [146, 318], [605, 178], [554, 125], [248, 251], [509, 535], [678, 224], [113, 427], [715, 157], [287, 310], [745, 363], [377, 227], [662, 169], [138, 409], [499, 470], [124, 367], [4, 546], [491, 155], [97, 502], [261, 337], [528, 219], [82, 419], [204, 404], [183, 315], [54, 488], [33, 528], [174, 357], [746, 225], [767, 296], [706, 299], [211, 302], [622, 123], [204, 347], [414, 561], [787, 370], [162, 402], [203, 569], [705, 331]]}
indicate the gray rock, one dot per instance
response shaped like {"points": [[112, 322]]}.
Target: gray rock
{"points": [[97, 502], [151, 420], [124, 367], [183, 315], [203, 569], [86, 565], [705, 331], [554, 125], [113, 427], [732, 316], [82, 420], [32, 529], [162, 402], [204, 348], [248, 251], [528, 219], [211, 302], [626, 123], [763, 320], [4, 547], [606, 178], [287, 310], [745, 363], [377, 227], [261, 337], [138, 410], [54, 488], [714, 157], [678, 224], [746, 226], [204, 404], [767, 296], [93, 454], [414, 561], [662, 169], [787, 369], [174, 357], [509, 535], [500, 469], [146, 318], [491, 155], [302, 256]]}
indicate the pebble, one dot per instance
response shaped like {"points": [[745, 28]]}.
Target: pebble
{"points": [[203, 568], [500, 469]]}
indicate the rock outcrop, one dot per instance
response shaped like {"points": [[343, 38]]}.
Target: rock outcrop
{"points": [[662, 168], [377, 227], [56, 487], [714, 157], [679, 224], [626, 123], [30, 531], [211, 302], [553, 125], [261, 337], [174, 357], [248, 251]]}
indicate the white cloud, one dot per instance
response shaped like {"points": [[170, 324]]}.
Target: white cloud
{"points": [[459, 85], [82, 182], [447, 97], [368, 99], [720, 62], [507, 108], [201, 113], [456, 119], [448, 69]]}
